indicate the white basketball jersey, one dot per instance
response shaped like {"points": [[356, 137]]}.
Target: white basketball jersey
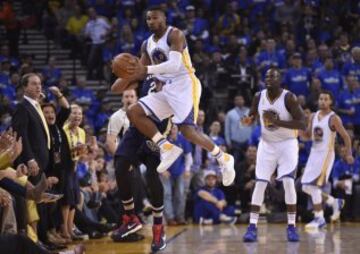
{"points": [[158, 52], [322, 136], [269, 132]]}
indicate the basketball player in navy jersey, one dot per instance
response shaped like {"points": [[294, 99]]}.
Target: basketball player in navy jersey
{"points": [[280, 117], [165, 55], [135, 149]]}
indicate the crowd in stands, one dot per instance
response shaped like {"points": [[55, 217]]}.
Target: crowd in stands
{"points": [[315, 44]]}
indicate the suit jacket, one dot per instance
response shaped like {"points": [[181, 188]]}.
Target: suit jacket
{"points": [[28, 124]]}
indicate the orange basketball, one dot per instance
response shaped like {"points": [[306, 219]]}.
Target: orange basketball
{"points": [[119, 64]]}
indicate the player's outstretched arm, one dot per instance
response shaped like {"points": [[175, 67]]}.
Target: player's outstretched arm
{"points": [[293, 106], [251, 118], [337, 124]]}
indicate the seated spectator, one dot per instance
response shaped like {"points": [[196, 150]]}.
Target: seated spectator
{"points": [[346, 101], [174, 180], [127, 40], [343, 176], [330, 77], [4, 73], [297, 78], [5, 55], [245, 73], [353, 66], [228, 22], [269, 57], [210, 204], [81, 93], [196, 28], [51, 73], [9, 91], [342, 52], [245, 178]]}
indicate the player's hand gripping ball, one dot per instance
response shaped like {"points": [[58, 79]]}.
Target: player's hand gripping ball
{"points": [[120, 65]]}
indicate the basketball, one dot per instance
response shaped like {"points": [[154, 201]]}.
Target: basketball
{"points": [[119, 64]]}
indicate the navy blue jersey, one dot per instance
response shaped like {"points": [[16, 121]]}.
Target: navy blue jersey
{"points": [[134, 145]]}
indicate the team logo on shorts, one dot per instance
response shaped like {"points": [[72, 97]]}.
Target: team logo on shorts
{"points": [[268, 125], [318, 134], [152, 146], [158, 56]]}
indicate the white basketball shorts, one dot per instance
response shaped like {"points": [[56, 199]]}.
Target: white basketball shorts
{"points": [[179, 97], [282, 155], [318, 167]]}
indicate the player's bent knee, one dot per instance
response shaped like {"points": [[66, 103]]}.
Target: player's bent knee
{"points": [[135, 111], [290, 192], [188, 131]]}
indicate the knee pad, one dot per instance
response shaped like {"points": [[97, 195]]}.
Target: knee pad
{"points": [[290, 192], [258, 194]]}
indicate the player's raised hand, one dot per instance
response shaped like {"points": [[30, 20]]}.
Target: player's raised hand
{"points": [[55, 91], [247, 120]]}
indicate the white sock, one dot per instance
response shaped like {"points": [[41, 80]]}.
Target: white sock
{"points": [[215, 151], [254, 217], [319, 214], [291, 218], [330, 200], [157, 137]]}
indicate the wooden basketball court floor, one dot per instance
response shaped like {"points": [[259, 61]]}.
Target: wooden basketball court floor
{"points": [[224, 239]]}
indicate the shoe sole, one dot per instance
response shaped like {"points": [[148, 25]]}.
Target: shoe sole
{"points": [[233, 174], [132, 231], [177, 151]]}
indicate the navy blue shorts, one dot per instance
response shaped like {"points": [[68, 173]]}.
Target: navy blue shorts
{"points": [[136, 147]]}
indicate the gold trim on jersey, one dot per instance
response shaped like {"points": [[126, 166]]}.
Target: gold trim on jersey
{"points": [[194, 80], [322, 177]]}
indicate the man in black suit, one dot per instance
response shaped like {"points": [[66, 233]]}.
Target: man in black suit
{"points": [[30, 124]]}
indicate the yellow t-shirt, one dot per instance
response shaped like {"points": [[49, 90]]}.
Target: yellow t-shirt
{"points": [[75, 138], [74, 25]]}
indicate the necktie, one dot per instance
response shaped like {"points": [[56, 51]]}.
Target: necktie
{"points": [[38, 109]]}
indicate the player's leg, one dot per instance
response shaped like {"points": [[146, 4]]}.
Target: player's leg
{"points": [[265, 167], [157, 201], [316, 197], [156, 106], [287, 164], [130, 222]]}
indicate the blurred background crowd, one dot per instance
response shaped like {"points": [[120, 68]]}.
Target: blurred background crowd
{"points": [[315, 44]]}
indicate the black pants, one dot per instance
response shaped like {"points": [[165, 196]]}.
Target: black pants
{"points": [[130, 182], [95, 61], [19, 244], [12, 187]]}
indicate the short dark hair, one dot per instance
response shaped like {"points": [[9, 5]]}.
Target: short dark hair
{"points": [[48, 104], [25, 78], [156, 8], [328, 93]]}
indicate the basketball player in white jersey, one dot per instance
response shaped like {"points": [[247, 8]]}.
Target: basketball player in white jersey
{"points": [[322, 129], [166, 56], [280, 118]]}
